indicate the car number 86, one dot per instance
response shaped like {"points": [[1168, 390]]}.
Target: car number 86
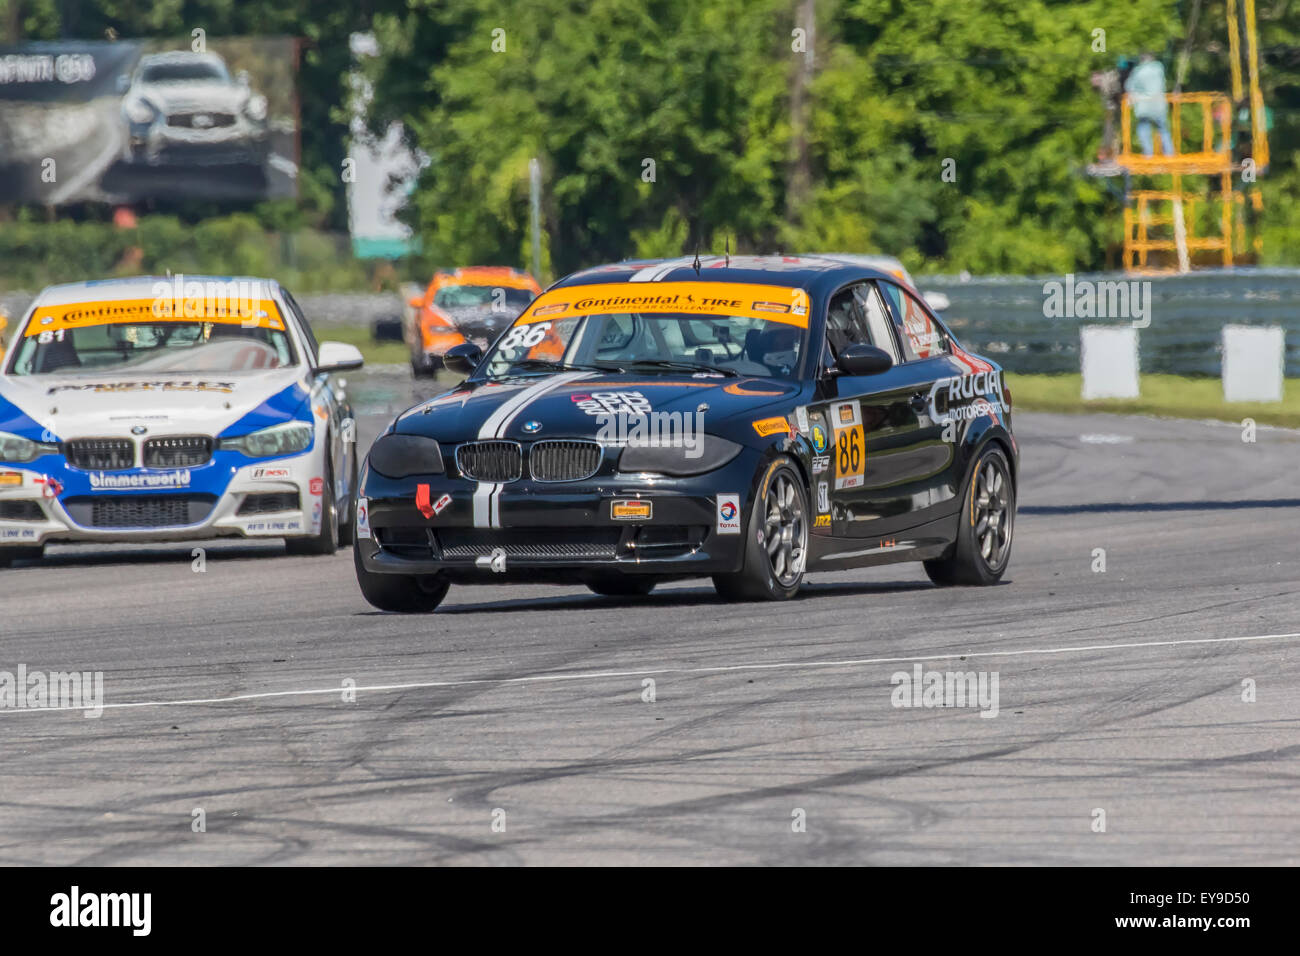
{"points": [[526, 336]]}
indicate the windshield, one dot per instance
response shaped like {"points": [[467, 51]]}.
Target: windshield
{"points": [[707, 327], [740, 344], [164, 346], [704, 326], [183, 73], [471, 296]]}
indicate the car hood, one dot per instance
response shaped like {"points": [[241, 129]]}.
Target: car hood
{"points": [[478, 315], [575, 404], [194, 97], [166, 403]]}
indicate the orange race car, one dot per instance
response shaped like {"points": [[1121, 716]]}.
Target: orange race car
{"points": [[472, 304]]}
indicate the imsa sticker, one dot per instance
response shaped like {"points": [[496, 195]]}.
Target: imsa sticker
{"points": [[728, 514], [850, 452]]}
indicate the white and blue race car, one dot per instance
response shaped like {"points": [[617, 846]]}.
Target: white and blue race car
{"points": [[173, 408]]}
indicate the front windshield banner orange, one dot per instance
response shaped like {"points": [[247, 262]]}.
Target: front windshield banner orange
{"points": [[248, 313], [773, 302]]}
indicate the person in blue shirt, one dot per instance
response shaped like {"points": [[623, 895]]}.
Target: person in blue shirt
{"points": [[1146, 91]]}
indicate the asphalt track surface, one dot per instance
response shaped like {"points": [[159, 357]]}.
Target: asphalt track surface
{"points": [[1119, 691]]}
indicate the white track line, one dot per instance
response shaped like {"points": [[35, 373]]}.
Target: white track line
{"points": [[715, 669]]}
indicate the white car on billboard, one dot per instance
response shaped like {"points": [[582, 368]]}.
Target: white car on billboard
{"points": [[185, 107], [169, 409]]}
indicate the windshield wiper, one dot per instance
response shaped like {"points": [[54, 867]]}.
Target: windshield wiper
{"points": [[552, 365], [687, 366]]}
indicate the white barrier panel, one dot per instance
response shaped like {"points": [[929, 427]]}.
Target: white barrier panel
{"points": [[1253, 363], [1109, 361]]}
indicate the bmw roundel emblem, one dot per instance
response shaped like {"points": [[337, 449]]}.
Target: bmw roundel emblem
{"points": [[532, 427], [138, 430]]}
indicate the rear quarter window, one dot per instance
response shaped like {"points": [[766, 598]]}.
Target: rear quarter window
{"points": [[922, 335]]}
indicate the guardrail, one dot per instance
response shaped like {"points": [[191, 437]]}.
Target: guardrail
{"points": [[1004, 317]]}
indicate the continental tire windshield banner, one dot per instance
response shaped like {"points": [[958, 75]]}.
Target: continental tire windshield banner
{"points": [[129, 120], [775, 303]]}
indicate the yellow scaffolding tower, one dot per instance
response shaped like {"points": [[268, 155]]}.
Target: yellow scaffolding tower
{"points": [[1205, 155]]}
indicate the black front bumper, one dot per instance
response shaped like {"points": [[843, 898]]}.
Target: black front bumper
{"points": [[550, 530]]}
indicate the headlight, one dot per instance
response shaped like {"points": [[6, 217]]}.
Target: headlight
{"points": [[286, 439], [14, 448], [708, 455], [255, 108], [138, 111], [400, 456]]}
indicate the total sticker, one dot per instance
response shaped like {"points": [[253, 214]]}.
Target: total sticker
{"points": [[850, 451], [728, 514], [363, 517]]}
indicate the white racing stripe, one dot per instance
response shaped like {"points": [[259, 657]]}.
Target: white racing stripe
{"points": [[659, 271], [486, 495]]}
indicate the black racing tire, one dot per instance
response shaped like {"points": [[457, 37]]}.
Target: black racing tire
{"points": [[348, 528], [29, 553], [986, 524], [400, 593], [326, 541], [776, 539], [621, 585]]}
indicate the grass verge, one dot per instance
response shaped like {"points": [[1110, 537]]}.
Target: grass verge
{"points": [[376, 353], [1169, 396]]}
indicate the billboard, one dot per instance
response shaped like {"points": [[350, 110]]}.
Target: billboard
{"points": [[126, 120], [381, 172]]}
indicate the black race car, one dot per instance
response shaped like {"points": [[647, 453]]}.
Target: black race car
{"points": [[749, 419]]}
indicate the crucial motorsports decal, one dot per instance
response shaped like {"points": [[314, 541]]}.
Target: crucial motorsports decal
{"points": [[982, 392]]}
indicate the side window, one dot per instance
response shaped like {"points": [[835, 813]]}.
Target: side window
{"points": [[856, 316], [922, 337], [878, 322]]}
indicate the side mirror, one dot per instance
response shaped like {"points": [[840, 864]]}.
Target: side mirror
{"points": [[123, 83], [242, 78], [338, 357], [462, 359], [864, 360], [416, 302]]}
